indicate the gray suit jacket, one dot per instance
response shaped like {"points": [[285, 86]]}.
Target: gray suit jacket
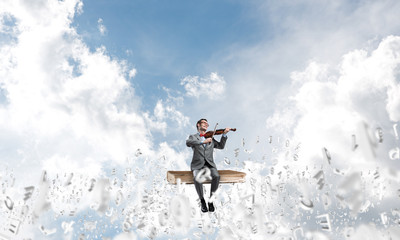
{"points": [[202, 154]]}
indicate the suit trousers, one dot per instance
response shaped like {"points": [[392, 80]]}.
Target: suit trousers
{"points": [[214, 181]]}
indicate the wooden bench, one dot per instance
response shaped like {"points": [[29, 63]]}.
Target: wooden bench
{"points": [[227, 176]]}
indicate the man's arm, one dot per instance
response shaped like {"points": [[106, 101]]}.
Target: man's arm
{"points": [[221, 143], [192, 141]]}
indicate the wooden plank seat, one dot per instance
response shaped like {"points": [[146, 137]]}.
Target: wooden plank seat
{"points": [[227, 176]]}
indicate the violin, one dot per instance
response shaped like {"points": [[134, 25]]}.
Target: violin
{"points": [[216, 132]]}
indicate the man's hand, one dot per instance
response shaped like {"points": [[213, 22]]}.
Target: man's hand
{"points": [[208, 140], [227, 130]]}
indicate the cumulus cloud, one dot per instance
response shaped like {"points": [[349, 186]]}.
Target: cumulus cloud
{"points": [[165, 110], [294, 34], [327, 106], [64, 106], [66, 110], [344, 116], [343, 119], [212, 87], [166, 115]]}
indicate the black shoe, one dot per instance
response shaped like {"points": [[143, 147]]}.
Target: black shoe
{"points": [[204, 206], [211, 207]]}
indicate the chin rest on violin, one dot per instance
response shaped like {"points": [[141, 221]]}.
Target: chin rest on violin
{"points": [[227, 176]]}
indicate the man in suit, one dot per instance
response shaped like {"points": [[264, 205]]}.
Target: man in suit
{"points": [[203, 149]]}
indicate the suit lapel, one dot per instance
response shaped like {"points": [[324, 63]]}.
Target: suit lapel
{"points": [[198, 138], [202, 145]]}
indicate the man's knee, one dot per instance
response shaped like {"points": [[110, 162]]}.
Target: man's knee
{"points": [[215, 174], [218, 178]]}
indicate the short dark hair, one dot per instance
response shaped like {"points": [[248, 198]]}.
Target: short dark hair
{"points": [[198, 122]]}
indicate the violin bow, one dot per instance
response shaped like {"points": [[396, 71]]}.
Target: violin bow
{"points": [[214, 130]]}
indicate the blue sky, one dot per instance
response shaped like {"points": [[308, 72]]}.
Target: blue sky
{"points": [[110, 90], [168, 40]]}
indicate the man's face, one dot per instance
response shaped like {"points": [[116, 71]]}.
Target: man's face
{"points": [[203, 125]]}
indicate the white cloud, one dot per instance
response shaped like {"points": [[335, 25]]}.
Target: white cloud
{"points": [[132, 73], [212, 87], [65, 106], [343, 118], [293, 34], [67, 109], [101, 27], [329, 105], [166, 115]]}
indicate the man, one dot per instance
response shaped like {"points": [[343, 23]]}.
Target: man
{"points": [[203, 149]]}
